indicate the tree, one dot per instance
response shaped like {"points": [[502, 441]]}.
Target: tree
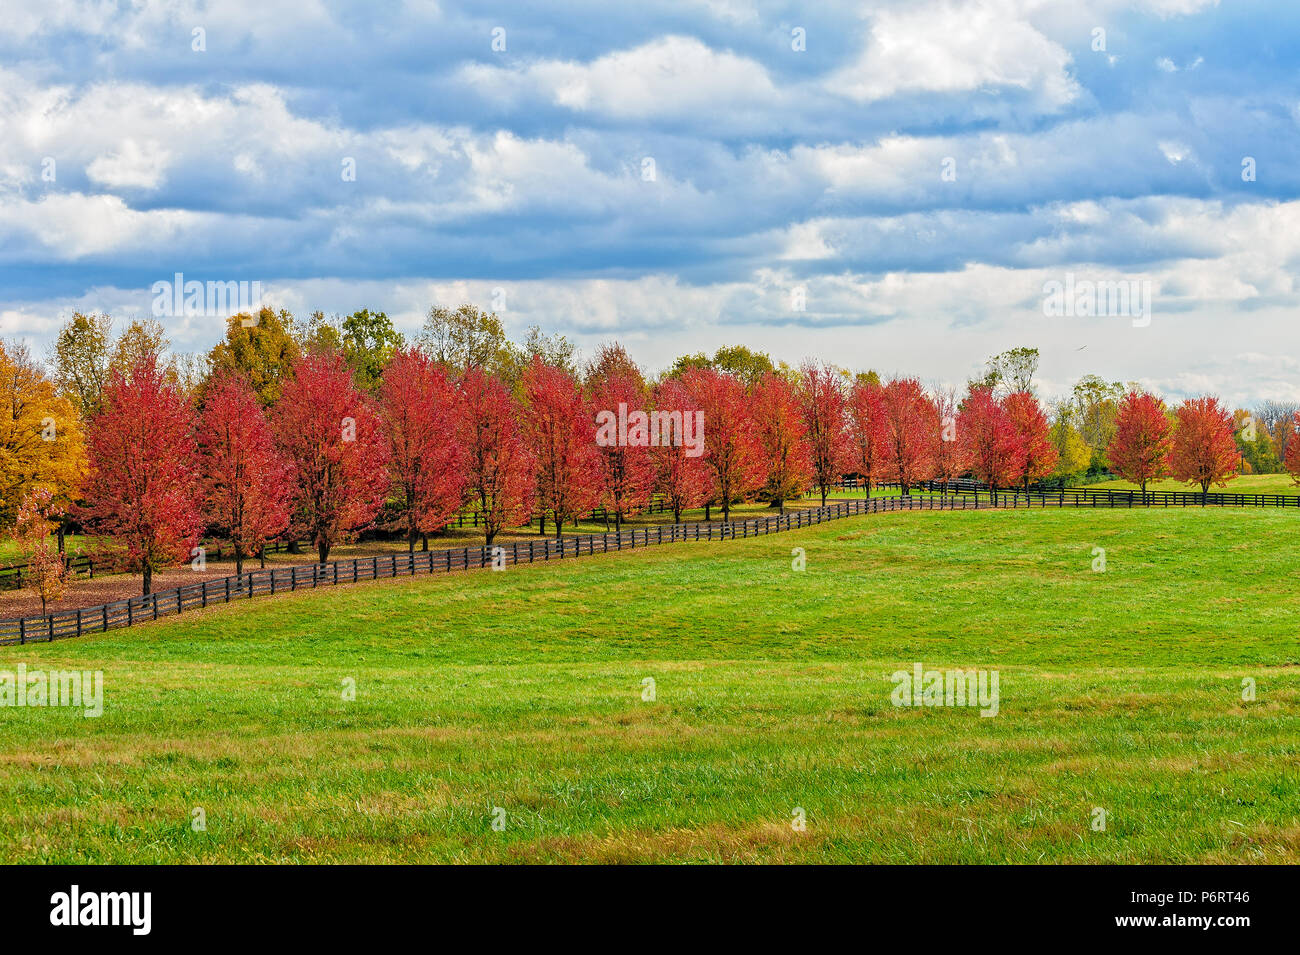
{"points": [[1139, 451], [991, 441], [261, 348], [246, 480], [1072, 453], [334, 443], [783, 438], [680, 475], [625, 471], [1204, 451], [369, 340], [80, 359], [1038, 455], [821, 398], [866, 442], [950, 460], [499, 471], [747, 365], [140, 342], [465, 338], [1291, 455], [419, 408], [47, 572], [142, 484], [1010, 371], [908, 422], [1097, 405], [731, 453], [561, 438], [41, 438]]}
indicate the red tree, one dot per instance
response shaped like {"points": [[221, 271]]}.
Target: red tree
{"points": [[1139, 451], [951, 460], [1038, 454], [246, 480], [1204, 451], [334, 442], [418, 406], [498, 468], [908, 421], [560, 435], [787, 451], [626, 470], [865, 439], [731, 453], [681, 475], [991, 442], [1291, 458], [821, 396], [141, 485]]}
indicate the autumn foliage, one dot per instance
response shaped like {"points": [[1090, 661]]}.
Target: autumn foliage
{"points": [[246, 480], [559, 431], [143, 484], [498, 468], [1139, 451], [990, 440], [908, 422], [1204, 451], [334, 442], [787, 449]]}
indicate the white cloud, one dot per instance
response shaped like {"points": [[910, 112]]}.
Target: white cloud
{"points": [[131, 166], [952, 47]]}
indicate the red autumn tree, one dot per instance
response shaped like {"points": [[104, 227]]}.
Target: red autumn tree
{"points": [[333, 440], [498, 467], [47, 573], [821, 398], [731, 452], [142, 484], [561, 440], [1291, 455], [1204, 451], [951, 460], [865, 439], [1139, 451], [681, 475], [419, 408], [779, 422], [990, 440], [1038, 454], [626, 469], [908, 421], [246, 481]]}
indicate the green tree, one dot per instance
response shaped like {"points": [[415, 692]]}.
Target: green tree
{"points": [[369, 340], [1009, 371], [1096, 406], [81, 358], [466, 338], [260, 348], [142, 340]]}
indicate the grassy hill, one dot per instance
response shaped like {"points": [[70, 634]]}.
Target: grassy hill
{"points": [[523, 690]]}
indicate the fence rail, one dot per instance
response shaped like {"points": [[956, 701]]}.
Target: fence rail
{"points": [[125, 613]]}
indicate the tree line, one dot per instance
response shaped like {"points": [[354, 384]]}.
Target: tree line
{"points": [[319, 429]]}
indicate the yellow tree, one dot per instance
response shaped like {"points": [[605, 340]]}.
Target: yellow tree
{"points": [[41, 441]]}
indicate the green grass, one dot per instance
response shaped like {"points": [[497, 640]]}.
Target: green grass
{"points": [[1241, 484], [523, 690]]}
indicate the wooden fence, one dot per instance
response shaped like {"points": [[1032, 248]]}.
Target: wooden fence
{"points": [[125, 613]]}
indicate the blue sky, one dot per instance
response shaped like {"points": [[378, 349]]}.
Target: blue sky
{"points": [[673, 174]]}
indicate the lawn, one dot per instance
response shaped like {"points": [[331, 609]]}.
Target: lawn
{"points": [[523, 690], [1241, 484]]}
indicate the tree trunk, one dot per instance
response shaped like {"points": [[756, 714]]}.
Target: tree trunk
{"points": [[63, 525], [261, 556], [239, 560], [708, 506], [323, 549], [541, 524], [424, 542], [148, 580]]}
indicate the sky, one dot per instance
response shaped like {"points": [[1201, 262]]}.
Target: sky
{"points": [[903, 186]]}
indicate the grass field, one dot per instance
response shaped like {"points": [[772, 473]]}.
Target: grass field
{"points": [[1241, 484], [523, 690]]}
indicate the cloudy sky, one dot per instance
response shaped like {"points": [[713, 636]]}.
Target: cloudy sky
{"points": [[884, 185]]}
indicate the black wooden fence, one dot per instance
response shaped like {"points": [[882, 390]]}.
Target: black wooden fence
{"points": [[125, 613]]}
